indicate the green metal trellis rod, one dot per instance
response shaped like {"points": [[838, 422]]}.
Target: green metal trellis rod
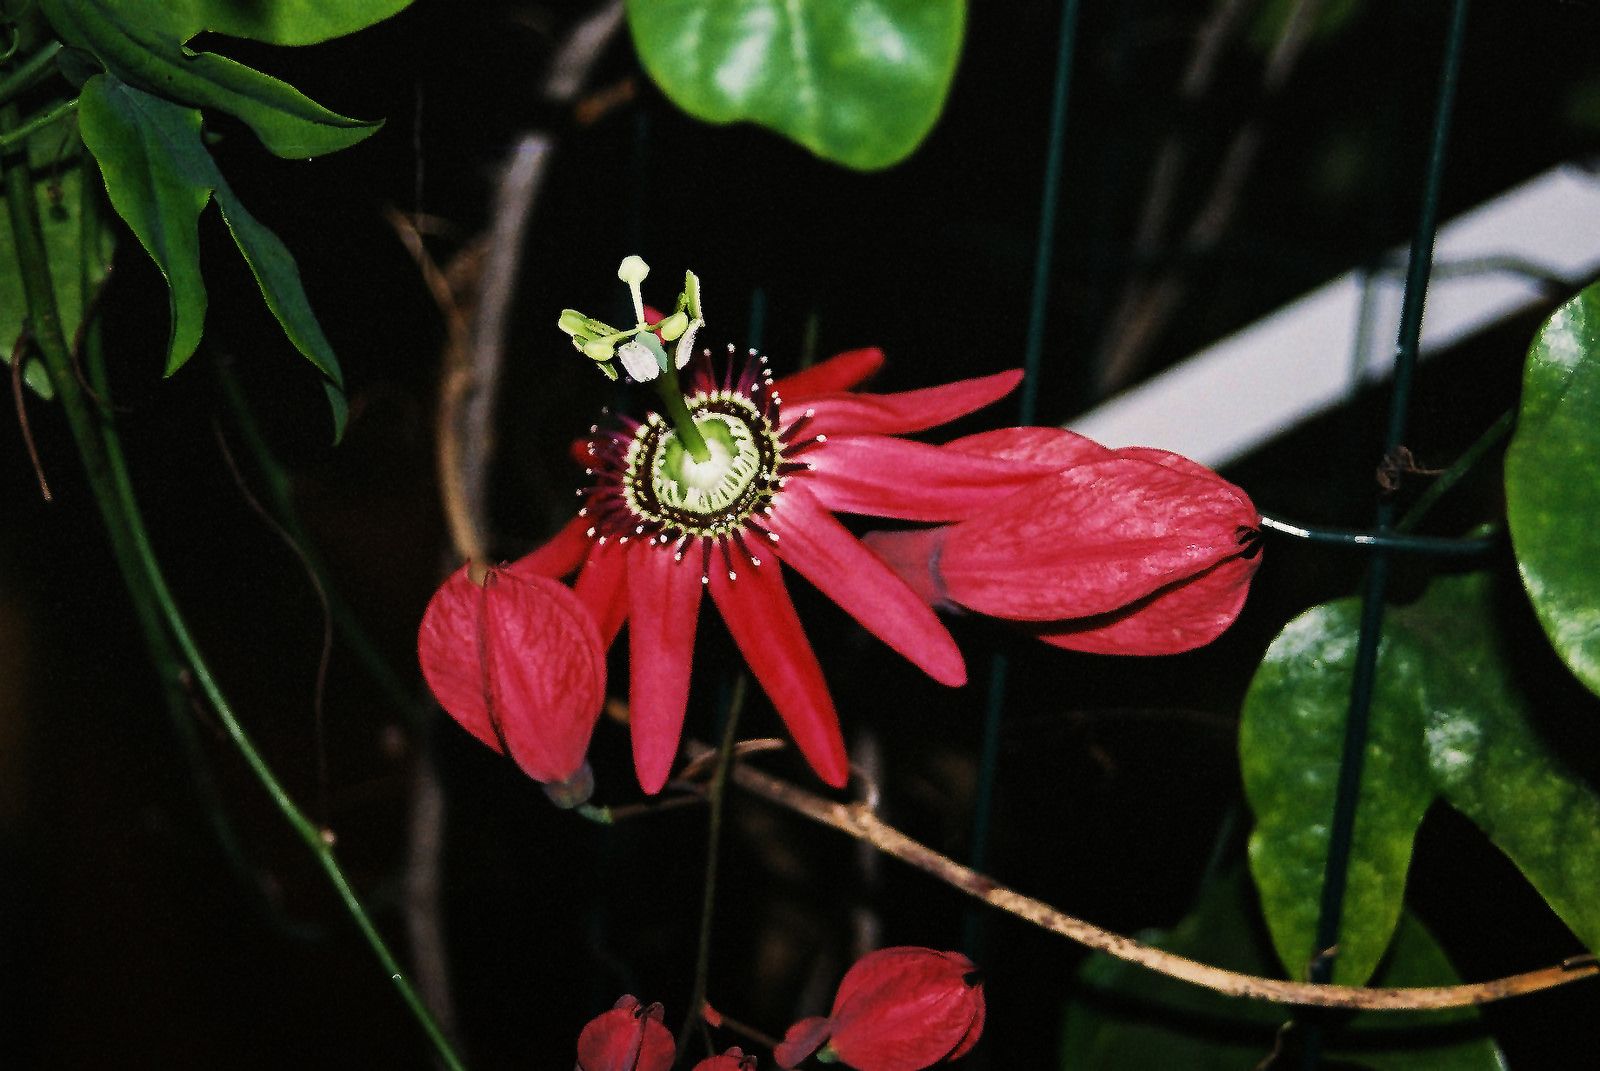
{"points": [[1364, 676]]}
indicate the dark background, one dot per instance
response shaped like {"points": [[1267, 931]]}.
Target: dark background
{"points": [[126, 936]]}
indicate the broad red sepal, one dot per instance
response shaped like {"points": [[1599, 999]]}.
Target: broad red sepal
{"points": [[735, 1059], [897, 1009], [516, 660], [629, 1037]]}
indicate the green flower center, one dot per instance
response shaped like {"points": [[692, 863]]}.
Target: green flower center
{"points": [[671, 492]]}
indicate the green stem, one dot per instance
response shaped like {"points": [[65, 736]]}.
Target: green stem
{"points": [[677, 412], [716, 794], [35, 69], [1454, 474], [22, 131], [100, 450]]}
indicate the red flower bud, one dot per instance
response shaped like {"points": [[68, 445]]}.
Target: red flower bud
{"points": [[629, 1037], [732, 1060], [897, 1009]]}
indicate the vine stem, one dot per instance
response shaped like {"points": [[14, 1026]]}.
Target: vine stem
{"points": [[859, 821], [100, 450]]}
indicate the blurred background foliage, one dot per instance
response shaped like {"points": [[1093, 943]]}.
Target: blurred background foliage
{"points": [[125, 930]]}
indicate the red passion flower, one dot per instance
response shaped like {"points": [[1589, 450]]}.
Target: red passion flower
{"points": [[1132, 551], [629, 1037], [897, 1009]]}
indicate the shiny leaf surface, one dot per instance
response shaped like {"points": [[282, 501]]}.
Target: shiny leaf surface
{"points": [[280, 22], [1552, 473], [859, 83]]}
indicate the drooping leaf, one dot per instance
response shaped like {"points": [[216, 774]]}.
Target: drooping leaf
{"points": [[134, 44], [1291, 738], [159, 178], [77, 270], [858, 82], [278, 22], [1553, 482], [1126, 1017], [1489, 760]]}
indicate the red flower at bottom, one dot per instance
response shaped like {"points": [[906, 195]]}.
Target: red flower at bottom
{"points": [[629, 1037], [732, 1060], [897, 1009]]}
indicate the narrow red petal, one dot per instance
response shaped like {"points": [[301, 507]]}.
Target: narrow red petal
{"points": [[663, 607], [908, 411], [563, 553], [1057, 447], [762, 620], [820, 549], [1091, 540], [603, 588], [1179, 617], [914, 555], [886, 477], [839, 372]]}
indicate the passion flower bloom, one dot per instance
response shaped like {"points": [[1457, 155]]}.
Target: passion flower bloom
{"points": [[542, 714], [1131, 551], [629, 1037], [897, 1009]]}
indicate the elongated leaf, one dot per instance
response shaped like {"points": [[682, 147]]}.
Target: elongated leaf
{"points": [[58, 189], [159, 178], [1291, 738], [858, 82], [1126, 1018], [278, 22], [1489, 761], [135, 47], [1553, 482]]}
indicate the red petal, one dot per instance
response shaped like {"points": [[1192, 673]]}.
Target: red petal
{"points": [[801, 1040], [1179, 617], [1057, 447], [914, 555], [908, 411], [904, 1009], [663, 607], [1091, 540], [563, 553], [886, 477], [519, 654], [732, 1060], [820, 549], [626, 1038], [603, 588], [762, 620], [839, 372]]}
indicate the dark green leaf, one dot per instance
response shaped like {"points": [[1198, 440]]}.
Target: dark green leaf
{"points": [[58, 188], [159, 177], [1553, 482], [1129, 1018], [1489, 760], [1291, 737], [279, 22], [134, 46], [858, 83]]}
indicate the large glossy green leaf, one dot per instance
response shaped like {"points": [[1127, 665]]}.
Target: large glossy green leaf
{"points": [[1291, 737], [58, 189], [159, 177], [277, 22], [1553, 482], [1125, 1018], [1489, 760], [859, 82], [136, 48]]}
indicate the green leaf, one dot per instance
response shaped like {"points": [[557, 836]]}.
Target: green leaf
{"points": [[1489, 760], [859, 83], [1553, 483], [58, 189], [277, 22], [159, 177], [1126, 1018], [135, 46], [1291, 737]]}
